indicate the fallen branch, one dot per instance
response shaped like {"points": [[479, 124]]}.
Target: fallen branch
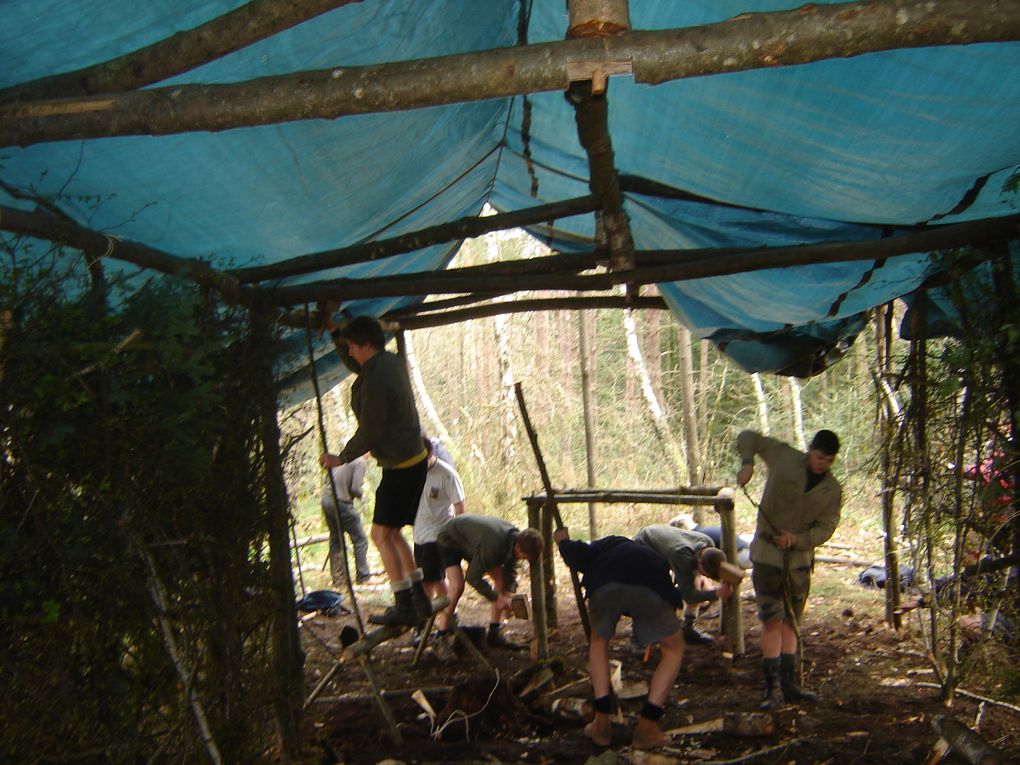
{"points": [[975, 696], [760, 752], [736, 724]]}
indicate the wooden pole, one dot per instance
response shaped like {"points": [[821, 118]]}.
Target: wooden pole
{"points": [[731, 620], [745, 261], [177, 54], [540, 575], [463, 228], [586, 406], [551, 504], [782, 38]]}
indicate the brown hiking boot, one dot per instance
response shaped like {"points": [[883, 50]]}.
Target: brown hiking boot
{"points": [[600, 730], [648, 735]]}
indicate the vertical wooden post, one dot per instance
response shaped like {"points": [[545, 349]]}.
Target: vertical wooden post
{"points": [[731, 619], [540, 585], [549, 564], [589, 428], [690, 419]]}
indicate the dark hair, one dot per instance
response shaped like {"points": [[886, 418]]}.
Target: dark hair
{"points": [[531, 543], [364, 330], [826, 442], [711, 559]]}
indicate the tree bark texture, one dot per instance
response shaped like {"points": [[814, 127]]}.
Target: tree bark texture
{"points": [[471, 226], [746, 42], [656, 415], [763, 404], [591, 112], [423, 393], [584, 353], [546, 273], [668, 266], [288, 659], [687, 402], [508, 443], [798, 413], [182, 52]]}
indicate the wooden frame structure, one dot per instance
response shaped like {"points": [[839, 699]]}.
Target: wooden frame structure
{"points": [[543, 579]]}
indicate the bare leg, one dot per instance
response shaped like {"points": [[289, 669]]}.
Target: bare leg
{"points": [[672, 649], [455, 588], [771, 638], [397, 558], [598, 665]]}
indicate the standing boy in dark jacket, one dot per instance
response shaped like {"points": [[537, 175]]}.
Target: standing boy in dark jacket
{"points": [[388, 427]]}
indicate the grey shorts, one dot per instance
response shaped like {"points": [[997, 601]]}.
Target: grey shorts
{"points": [[654, 618], [768, 591]]}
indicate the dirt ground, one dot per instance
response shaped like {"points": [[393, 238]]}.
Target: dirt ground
{"points": [[872, 706]]}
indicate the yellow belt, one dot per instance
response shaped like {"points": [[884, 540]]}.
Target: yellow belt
{"points": [[413, 461]]}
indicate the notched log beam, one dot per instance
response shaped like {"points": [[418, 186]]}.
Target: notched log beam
{"points": [[179, 53], [752, 41]]}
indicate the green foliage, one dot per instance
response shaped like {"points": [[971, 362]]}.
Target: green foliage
{"points": [[128, 437], [956, 457]]}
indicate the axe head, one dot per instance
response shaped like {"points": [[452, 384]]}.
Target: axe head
{"points": [[731, 573]]}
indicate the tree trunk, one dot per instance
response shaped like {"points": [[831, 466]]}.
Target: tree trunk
{"points": [[798, 413], [508, 401], [763, 407], [703, 387], [589, 426], [655, 412], [439, 429], [288, 659], [690, 418]]}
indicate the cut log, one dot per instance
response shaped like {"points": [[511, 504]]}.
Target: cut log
{"points": [[965, 742]]}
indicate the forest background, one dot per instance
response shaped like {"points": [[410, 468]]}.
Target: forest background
{"points": [[464, 376]]}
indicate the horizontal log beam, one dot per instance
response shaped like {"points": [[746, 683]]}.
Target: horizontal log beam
{"points": [[471, 226], [443, 318], [95, 244], [634, 497], [662, 266], [539, 274], [179, 53], [750, 41]]}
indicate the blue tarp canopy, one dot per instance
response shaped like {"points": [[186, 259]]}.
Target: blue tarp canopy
{"points": [[839, 150]]}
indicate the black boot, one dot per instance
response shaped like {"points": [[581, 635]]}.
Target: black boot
{"points": [[496, 639], [772, 698], [788, 679], [402, 612], [694, 636], [420, 600]]}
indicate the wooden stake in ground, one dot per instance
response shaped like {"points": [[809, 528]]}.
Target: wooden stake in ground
{"points": [[551, 502]]}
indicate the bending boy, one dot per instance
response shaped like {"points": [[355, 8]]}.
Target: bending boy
{"points": [[622, 577]]}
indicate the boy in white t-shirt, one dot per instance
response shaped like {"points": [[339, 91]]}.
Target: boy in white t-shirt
{"points": [[441, 499]]}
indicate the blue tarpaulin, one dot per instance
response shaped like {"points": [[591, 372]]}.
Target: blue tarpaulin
{"points": [[838, 150]]}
